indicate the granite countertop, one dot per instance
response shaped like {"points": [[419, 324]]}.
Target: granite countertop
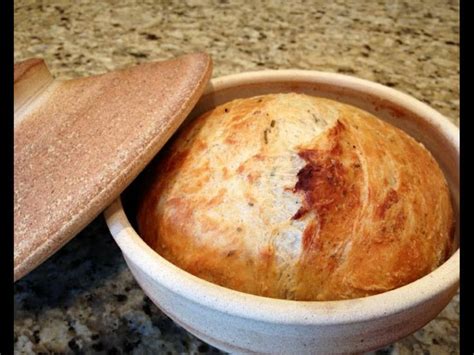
{"points": [[84, 299]]}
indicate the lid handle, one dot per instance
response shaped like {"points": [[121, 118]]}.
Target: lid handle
{"points": [[31, 77]]}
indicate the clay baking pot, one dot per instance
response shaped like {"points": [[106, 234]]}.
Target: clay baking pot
{"points": [[239, 322]]}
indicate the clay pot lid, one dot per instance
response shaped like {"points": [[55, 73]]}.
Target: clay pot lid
{"points": [[79, 143]]}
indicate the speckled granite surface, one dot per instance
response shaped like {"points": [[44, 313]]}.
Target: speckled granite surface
{"points": [[84, 299]]}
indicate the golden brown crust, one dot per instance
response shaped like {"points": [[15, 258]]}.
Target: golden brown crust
{"points": [[291, 196]]}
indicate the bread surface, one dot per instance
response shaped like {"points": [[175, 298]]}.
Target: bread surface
{"points": [[297, 197]]}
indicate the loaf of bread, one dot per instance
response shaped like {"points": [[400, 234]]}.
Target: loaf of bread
{"points": [[297, 197]]}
